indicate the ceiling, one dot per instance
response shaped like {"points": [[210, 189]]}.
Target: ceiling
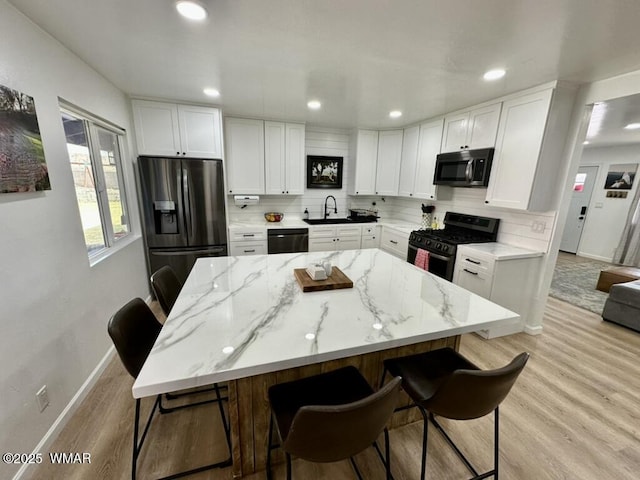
{"points": [[360, 58]]}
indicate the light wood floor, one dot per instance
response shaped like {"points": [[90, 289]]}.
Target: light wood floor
{"points": [[573, 414]]}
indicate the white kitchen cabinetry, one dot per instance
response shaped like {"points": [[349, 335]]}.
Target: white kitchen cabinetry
{"points": [[247, 241], [169, 129], [370, 236], [364, 155], [284, 158], [396, 242], [475, 128], [532, 128], [420, 146], [388, 162], [244, 140], [334, 237], [503, 274]]}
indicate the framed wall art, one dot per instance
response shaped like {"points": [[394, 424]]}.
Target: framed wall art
{"points": [[324, 172], [620, 177], [23, 167]]}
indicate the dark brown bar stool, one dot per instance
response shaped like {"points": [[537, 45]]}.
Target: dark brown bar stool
{"points": [[134, 329], [166, 287], [330, 417], [444, 383]]}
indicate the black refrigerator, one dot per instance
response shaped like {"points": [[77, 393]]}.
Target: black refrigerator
{"points": [[182, 202]]}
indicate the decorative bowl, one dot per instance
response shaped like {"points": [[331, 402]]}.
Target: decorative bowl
{"points": [[273, 216]]}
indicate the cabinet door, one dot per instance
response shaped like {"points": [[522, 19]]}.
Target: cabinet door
{"points": [[454, 136], [522, 126], [483, 126], [406, 185], [245, 155], [370, 241], [428, 149], [475, 281], [365, 162], [295, 158], [274, 157], [322, 244], [200, 131], [156, 125], [347, 243], [388, 165]]}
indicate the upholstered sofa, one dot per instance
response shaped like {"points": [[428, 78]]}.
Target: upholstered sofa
{"points": [[623, 305]]}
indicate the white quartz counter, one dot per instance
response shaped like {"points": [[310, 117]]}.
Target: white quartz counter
{"points": [[499, 251], [299, 223], [242, 316]]}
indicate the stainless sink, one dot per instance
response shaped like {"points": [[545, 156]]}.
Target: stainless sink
{"points": [[332, 221]]}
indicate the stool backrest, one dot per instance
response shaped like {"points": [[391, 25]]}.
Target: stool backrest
{"points": [[468, 394], [329, 433], [134, 329], [166, 287]]}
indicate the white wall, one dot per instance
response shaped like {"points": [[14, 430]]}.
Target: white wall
{"points": [[606, 216], [54, 307]]}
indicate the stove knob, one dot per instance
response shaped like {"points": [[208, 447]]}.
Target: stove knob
{"points": [[438, 246], [445, 248], [427, 242]]}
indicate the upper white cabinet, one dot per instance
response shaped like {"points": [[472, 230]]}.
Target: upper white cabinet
{"points": [[475, 128], [244, 140], [169, 129], [420, 146], [364, 155], [530, 139], [284, 158], [388, 164]]}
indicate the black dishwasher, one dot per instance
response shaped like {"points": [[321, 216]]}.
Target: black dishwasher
{"points": [[287, 240]]}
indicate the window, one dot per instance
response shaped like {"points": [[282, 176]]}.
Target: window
{"points": [[95, 155]]}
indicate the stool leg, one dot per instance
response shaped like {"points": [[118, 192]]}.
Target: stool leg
{"points": [[384, 373], [269, 447], [496, 452], [425, 435], [288, 466]]}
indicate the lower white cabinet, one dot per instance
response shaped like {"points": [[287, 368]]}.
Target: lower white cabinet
{"points": [[370, 237], [396, 242], [334, 237], [507, 279], [247, 241]]}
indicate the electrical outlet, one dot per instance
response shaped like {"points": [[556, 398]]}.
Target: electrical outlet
{"points": [[43, 398], [538, 226]]}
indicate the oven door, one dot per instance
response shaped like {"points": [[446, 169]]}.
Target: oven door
{"points": [[440, 265]]}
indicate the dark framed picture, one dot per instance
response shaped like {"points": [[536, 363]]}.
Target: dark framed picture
{"points": [[324, 172]]}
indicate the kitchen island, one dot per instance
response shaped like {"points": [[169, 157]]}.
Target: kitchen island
{"points": [[245, 320]]}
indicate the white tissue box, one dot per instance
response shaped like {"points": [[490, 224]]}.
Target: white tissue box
{"points": [[316, 272]]}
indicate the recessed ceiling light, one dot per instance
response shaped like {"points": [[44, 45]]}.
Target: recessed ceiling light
{"points": [[494, 74], [211, 92], [191, 9], [586, 142], [228, 349], [632, 126], [314, 104], [395, 113]]}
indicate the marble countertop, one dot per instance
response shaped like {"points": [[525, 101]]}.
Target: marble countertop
{"points": [[243, 316], [500, 251]]}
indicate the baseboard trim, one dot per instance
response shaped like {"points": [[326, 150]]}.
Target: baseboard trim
{"points": [[69, 410], [595, 257], [537, 330]]}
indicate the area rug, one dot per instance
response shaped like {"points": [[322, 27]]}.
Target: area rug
{"points": [[575, 283]]}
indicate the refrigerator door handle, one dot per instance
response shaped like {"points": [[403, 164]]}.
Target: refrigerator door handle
{"points": [[187, 203], [189, 252]]}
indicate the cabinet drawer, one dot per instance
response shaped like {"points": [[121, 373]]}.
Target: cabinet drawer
{"points": [[247, 248], [475, 280], [394, 242], [348, 231], [322, 232], [474, 263], [243, 235], [371, 230]]}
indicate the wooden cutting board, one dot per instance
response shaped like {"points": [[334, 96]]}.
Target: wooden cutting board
{"points": [[336, 280]]}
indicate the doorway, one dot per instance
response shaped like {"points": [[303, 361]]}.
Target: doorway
{"points": [[578, 210]]}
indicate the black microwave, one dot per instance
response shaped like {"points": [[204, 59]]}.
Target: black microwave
{"points": [[466, 168]]}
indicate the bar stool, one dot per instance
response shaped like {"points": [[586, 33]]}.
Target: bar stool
{"points": [[134, 329], [330, 417], [444, 383], [166, 287]]}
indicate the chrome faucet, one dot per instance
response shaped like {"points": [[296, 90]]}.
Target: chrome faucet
{"points": [[335, 205]]}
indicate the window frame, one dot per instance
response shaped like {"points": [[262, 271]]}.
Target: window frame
{"points": [[92, 126]]}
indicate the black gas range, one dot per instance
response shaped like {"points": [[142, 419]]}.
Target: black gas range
{"points": [[459, 228]]}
